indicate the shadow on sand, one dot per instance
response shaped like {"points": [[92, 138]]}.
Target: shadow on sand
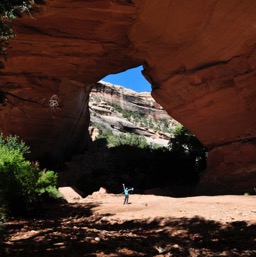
{"points": [[73, 230]]}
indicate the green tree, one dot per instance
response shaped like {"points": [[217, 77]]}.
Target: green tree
{"points": [[23, 184], [184, 142]]}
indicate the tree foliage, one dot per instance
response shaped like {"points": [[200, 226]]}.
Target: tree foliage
{"points": [[9, 10], [127, 139], [187, 144], [132, 160], [22, 183], [122, 139]]}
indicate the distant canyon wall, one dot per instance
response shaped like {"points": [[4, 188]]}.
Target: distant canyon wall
{"points": [[199, 57], [130, 100]]}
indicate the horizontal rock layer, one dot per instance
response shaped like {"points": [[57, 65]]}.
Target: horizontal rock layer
{"points": [[122, 110]]}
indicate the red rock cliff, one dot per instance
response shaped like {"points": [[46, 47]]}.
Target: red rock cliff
{"points": [[198, 55]]}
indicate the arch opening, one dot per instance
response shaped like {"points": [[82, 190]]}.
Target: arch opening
{"points": [[131, 78], [136, 133]]}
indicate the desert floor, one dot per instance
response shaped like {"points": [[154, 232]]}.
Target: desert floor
{"points": [[100, 225]]}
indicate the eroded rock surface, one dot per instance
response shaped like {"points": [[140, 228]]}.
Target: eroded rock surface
{"points": [[109, 103], [198, 55], [58, 54]]}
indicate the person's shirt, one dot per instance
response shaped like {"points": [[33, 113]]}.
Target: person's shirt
{"points": [[126, 191]]}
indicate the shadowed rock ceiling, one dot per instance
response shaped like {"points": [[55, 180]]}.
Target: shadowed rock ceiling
{"points": [[198, 55]]}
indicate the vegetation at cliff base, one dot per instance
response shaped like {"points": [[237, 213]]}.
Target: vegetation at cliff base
{"points": [[131, 159], [23, 185], [185, 144], [123, 139]]}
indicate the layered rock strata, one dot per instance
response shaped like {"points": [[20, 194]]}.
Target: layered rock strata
{"points": [[129, 100], [198, 55], [109, 103]]}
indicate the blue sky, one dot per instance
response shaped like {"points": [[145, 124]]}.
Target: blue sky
{"points": [[131, 78]]}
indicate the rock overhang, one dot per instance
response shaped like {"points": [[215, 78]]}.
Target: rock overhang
{"points": [[199, 57]]}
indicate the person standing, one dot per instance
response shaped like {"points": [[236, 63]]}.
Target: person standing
{"points": [[126, 193]]}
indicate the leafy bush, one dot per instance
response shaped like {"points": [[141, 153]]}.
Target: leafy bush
{"points": [[22, 183], [124, 139], [186, 144], [115, 140], [13, 143], [149, 166]]}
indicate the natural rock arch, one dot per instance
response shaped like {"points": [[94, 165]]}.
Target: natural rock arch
{"points": [[198, 55]]}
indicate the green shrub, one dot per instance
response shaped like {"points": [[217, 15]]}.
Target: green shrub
{"points": [[22, 183], [126, 139], [187, 145]]}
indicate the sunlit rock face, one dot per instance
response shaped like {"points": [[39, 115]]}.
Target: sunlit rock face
{"points": [[121, 110], [130, 100], [198, 55]]}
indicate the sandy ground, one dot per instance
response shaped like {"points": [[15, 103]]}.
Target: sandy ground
{"points": [[226, 208], [100, 225]]}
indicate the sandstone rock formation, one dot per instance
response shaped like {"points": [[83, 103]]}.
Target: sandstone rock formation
{"points": [[198, 55], [130, 100], [147, 118]]}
